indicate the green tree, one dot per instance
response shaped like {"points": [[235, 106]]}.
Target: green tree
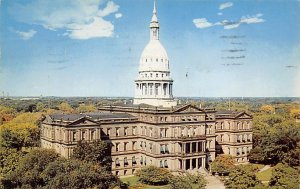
{"points": [[154, 175], [9, 160], [86, 108], [223, 164], [187, 181], [20, 132], [74, 174], [65, 107], [96, 151], [284, 176], [28, 172], [242, 178]]}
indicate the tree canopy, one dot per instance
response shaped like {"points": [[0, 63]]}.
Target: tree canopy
{"points": [[223, 164], [284, 176], [241, 177]]}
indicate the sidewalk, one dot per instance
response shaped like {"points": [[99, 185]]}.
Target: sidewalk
{"points": [[214, 183]]}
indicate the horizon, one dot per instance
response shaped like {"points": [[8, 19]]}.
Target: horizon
{"points": [[217, 49]]}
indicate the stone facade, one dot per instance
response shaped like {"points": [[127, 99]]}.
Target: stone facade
{"points": [[182, 138], [234, 134]]}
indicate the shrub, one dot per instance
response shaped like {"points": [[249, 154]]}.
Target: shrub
{"points": [[154, 175]]}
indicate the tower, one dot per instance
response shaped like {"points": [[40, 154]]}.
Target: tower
{"points": [[154, 85]]}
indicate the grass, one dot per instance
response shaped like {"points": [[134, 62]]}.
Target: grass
{"points": [[265, 175], [133, 180], [130, 180]]}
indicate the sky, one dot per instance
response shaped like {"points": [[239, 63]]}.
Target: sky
{"points": [[217, 48]]}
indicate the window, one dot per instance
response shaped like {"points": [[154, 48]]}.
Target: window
{"points": [[161, 164], [117, 173], [133, 130], [162, 149], [92, 135], [117, 162], [133, 145], [117, 131], [141, 160], [150, 132], [74, 135], [125, 162], [133, 160], [166, 164], [150, 146], [117, 147], [125, 146], [83, 135], [166, 149], [108, 131], [125, 172], [125, 131]]}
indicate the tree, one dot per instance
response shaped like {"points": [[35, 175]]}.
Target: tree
{"points": [[20, 132], [28, 171], [242, 177], [284, 176], [6, 114], [295, 113], [65, 107], [187, 181], [267, 109], [223, 164], [74, 174], [96, 151], [154, 175], [9, 160], [86, 108]]}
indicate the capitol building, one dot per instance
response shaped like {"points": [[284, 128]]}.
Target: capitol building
{"points": [[154, 129]]}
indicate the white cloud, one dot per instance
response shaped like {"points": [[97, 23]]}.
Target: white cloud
{"points": [[118, 15], [79, 18], [98, 27], [225, 5], [202, 23], [26, 35], [111, 7], [252, 19], [220, 14]]}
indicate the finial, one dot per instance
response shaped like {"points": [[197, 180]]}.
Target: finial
{"points": [[154, 17], [154, 7]]}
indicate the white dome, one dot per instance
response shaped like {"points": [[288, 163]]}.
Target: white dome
{"points": [[154, 57]]}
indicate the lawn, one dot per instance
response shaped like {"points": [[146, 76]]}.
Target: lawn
{"points": [[133, 181], [265, 175]]}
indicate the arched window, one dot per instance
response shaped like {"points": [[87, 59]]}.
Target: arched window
{"points": [[161, 164], [117, 162], [125, 161], [166, 164]]}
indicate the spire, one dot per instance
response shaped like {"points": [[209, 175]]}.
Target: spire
{"points": [[154, 27], [154, 17]]}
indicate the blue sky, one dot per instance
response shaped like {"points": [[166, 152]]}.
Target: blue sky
{"points": [[217, 48]]}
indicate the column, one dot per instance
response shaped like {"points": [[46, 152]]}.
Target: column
{"points": [[203, 162], [191, 164], [197, 147], [191, 147], [197, 163], [184, 164]]}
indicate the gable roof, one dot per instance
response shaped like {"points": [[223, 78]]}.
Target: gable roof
{"points": [[187, 108]]}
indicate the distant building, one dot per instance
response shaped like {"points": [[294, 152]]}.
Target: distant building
{"points": [[154, 130]]}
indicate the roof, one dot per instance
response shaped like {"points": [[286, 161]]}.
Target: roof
{"points": [[95, 116]]}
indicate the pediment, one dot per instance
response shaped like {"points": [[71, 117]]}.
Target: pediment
{"points": [[243, 115], [187, 109], [83, 121]]}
